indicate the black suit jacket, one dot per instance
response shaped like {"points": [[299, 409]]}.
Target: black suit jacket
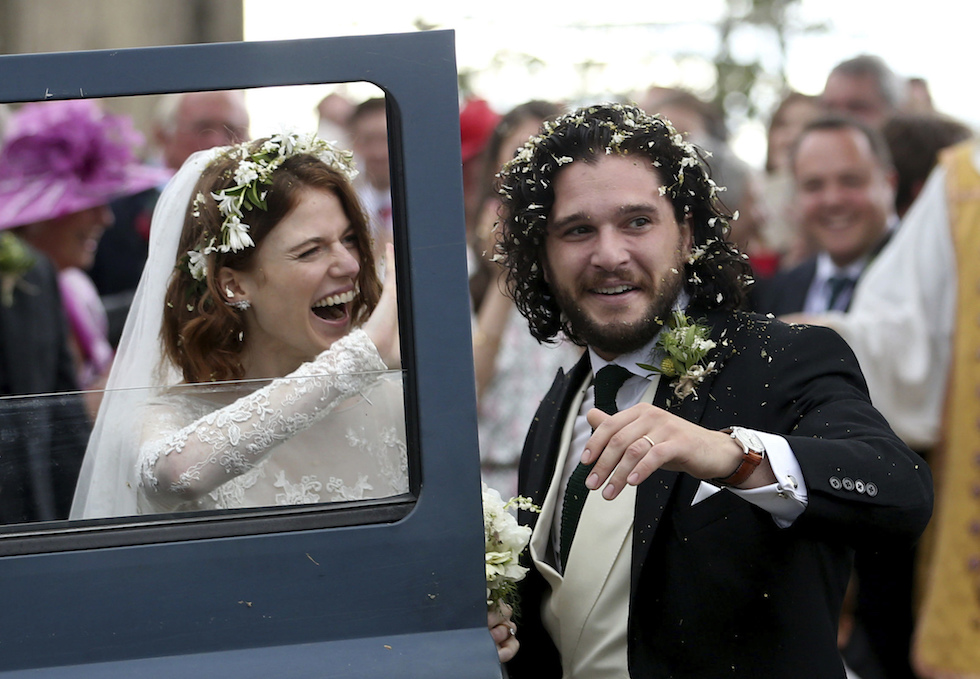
{"points": [[43, 438], [718, 590], [124, 246], [121, 256]]}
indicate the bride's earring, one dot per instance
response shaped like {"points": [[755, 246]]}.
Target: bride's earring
{"points": [[240, 305], [229, 292]]}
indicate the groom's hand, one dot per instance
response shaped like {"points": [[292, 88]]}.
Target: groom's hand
{"points": [[632, 444]]}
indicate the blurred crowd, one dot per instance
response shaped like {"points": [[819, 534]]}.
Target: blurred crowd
{"points": [[868, 201], [863, 218]]}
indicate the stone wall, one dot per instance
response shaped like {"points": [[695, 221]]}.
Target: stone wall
{"points": [[28, 26]]}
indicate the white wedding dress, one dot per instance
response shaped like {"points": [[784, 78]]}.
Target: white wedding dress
{"points": [[333, 430]]}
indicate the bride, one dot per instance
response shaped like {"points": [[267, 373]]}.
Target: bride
{"points": [[253, 369]]}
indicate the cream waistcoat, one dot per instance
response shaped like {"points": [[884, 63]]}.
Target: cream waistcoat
{"points": [[587, 611]]}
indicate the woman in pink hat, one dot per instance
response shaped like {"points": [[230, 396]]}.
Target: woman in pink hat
{"points": [[61, 164]]}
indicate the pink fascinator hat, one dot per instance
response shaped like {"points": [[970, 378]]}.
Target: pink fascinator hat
{"points": [[62, 157]]}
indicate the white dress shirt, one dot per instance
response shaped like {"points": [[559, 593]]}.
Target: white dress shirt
{"points": [[818, 297]]}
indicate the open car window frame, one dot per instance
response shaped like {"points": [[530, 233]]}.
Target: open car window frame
{"points": [[391, 588]]}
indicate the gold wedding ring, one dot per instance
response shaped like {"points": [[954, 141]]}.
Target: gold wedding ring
{"points": [[649, 440]]}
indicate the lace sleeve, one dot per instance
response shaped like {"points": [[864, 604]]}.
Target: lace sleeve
{"points": [[185, 464]]}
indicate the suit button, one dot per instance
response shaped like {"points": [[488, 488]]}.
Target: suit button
{"points": [[859, 486], [847, 483], [835, 483], [871, 489]]}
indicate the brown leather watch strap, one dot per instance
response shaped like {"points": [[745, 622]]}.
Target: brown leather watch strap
{"points": [[750, 461]]}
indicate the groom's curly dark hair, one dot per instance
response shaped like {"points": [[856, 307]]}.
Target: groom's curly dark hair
{"points": [[716, 276]]}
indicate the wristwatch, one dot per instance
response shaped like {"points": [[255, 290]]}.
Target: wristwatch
{"points": [[753, 451]]}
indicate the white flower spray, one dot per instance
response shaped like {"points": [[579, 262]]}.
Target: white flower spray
{"points": [[505, 540]]}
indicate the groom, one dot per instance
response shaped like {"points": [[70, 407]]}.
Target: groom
{"points": [[701, 519]]}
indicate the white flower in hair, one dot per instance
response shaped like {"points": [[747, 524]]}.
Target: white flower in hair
{"points": [[228, 204], [253, 173], [247, 172], [197, 264], [287, 144], [236, 233]]}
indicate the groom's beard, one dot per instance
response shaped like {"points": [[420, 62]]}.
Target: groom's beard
{"points": [[622, 338]]}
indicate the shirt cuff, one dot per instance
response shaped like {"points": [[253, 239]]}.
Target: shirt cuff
{"points": [[786, 499]]}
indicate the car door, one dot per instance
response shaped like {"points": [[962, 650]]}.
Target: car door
{"points": [[379, 588]]}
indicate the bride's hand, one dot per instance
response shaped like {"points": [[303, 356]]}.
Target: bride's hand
{"points": [[382, 326], [503, 632]]}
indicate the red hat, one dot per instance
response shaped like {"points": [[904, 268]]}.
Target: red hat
{"points": [[62, 157], [476, 123]]}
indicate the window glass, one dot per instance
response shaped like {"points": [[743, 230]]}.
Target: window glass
{"points": [[158, 441]]}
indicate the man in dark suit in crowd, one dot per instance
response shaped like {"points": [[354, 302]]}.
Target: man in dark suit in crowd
{"points": [[737, 460], [844, 193], [42, 438]]}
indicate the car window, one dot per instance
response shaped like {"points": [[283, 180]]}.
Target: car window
{"points": [[352, 450]]}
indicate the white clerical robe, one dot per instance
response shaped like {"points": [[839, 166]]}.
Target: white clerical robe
{"points": [[905, 306]]}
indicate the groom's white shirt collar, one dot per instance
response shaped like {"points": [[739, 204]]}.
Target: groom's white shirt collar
{"points": [[644, 354]]}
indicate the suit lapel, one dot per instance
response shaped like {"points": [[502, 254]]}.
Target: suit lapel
{"points": [[544, 438], [654, 494], [540, 545]]}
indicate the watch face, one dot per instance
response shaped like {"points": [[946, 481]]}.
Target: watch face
{"points": [[748, 438]]}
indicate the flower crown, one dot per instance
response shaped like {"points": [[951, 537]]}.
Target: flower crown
{"points": [[254, 171], [634, 121]]}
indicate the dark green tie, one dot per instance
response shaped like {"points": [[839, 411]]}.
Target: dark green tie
{"points": [[607, 383]]}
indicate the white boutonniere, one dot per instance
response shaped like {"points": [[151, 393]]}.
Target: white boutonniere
{"points": [[15, 261], [505, 540], [685, 345]]}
